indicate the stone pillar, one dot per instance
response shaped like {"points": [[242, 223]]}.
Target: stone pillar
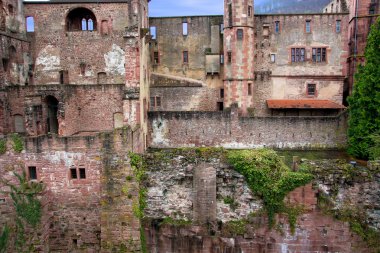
{"points": [[204, 194]]}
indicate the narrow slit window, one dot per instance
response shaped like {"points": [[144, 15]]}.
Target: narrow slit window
{"points": [[338, 26], [185, 57], [30, 24], [273, 58], [32, 173], [240, 34], [156, 57], [308, 26], [229, 57], [221, 59], [249, 89], [249, 10], [277, 27], [158, 101], [230, 15], [221, 93], [82, 173], [221, 28], [184, 29], [84, 24], [90, 25]]}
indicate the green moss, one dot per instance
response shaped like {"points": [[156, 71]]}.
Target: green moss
{"points": [[267, 176], [175, 222], [293, 212], [231, 202], [235, 228], [3, 146], [18, 143]]}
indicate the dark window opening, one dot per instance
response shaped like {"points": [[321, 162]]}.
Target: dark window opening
{"points": [[155, 101], [298, 54], [338, 26], [230, 15], [82, 173], [185, 57], [63, 77], [5, 64], [52, 114], [29, 24], [277, 27], [249, 89], [311, 89], [221, 93], [81, 19], [372, 9], [220, 106], [249, 10], [319, 54], [240, 34], [158, 101], [229, 57], [32, 173], [73, 172], [10, 9], [156, 58]]}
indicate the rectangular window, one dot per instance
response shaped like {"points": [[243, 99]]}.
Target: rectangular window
{"points": [[308, 26], [185, 57], [273, 58], [32, 173], [152, 102], [82, 173], [230, 15], [184, 28], [221, 59], [338, 26], [319, 54], [220, 106], [229, 57], [249, 89], [158, 101], [29, 24], [156, 58], [153, 32], [239, 34], [277, 27], [221, 28], [221, 93], [249, 10], [298, 54], [73, 173], [311, 89]]}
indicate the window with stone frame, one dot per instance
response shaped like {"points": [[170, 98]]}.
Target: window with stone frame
{"points": [[77, 173], [319, 54], [277, 26], [32, 173], [338, 27], [155, 102], [185, 57], [229, 57], [298, 54], [308, 26], [311, 89], [239, 34]]}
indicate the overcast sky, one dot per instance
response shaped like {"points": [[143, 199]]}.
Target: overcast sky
{"points": [[159, 8]]}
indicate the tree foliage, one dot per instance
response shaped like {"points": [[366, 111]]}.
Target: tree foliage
{"points": [[364, 103]]}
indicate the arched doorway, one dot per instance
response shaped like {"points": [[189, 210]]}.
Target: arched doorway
{"points": [[52, 114]]}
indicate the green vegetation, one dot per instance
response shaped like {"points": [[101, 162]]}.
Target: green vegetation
{"points": [[139, 170], [374, 151], [18, 143], [175, 222], [3, 146], [235, 228], [231, 202], [4, 236], [28, 213], [267, 176], [364, 103]]}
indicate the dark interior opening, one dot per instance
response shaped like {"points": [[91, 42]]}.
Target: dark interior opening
{"points": [[52, 114]]}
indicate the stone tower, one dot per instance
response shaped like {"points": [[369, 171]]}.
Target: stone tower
{"points": [[239, 53]]}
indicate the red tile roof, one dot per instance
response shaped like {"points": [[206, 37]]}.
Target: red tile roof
{"points": [[303, 104]]}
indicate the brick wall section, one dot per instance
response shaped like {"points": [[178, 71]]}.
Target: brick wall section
{"points": [[226, 129], [78, 214]]}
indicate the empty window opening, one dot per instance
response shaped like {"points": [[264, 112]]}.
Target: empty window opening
{"points": [[19, 124], [29, 24], [81, 19], [298, 54], [249, 10], [184, 29], [10, 9], [311, 89], [221, 59], [338, 26], [63, 77], [82, 173], [156, 58], [32, 173], [155, 101], [229, 14], [82, 67], [185, 57], [153, 32], [52, 114], [221, 28], [102, 78], [273, 58], [277, 27], [319, 54], [239, 34], [73, 173], [308, 26], [220, 106], [5, 65], [221, 93], [229, 57], [158, 101], [266, 30], [249, 89]]}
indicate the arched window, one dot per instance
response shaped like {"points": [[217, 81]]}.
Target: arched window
{"points": [[29, 24], [81, 19], [90, 25], [84, 24]]}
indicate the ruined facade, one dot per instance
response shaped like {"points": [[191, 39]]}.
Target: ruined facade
{"points": [[86, 82]]}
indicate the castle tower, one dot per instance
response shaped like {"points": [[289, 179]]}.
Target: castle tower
{"points": [[238, 53]]}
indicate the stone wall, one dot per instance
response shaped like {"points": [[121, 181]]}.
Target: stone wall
{"points": [[81, 214], [227, 129]]}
